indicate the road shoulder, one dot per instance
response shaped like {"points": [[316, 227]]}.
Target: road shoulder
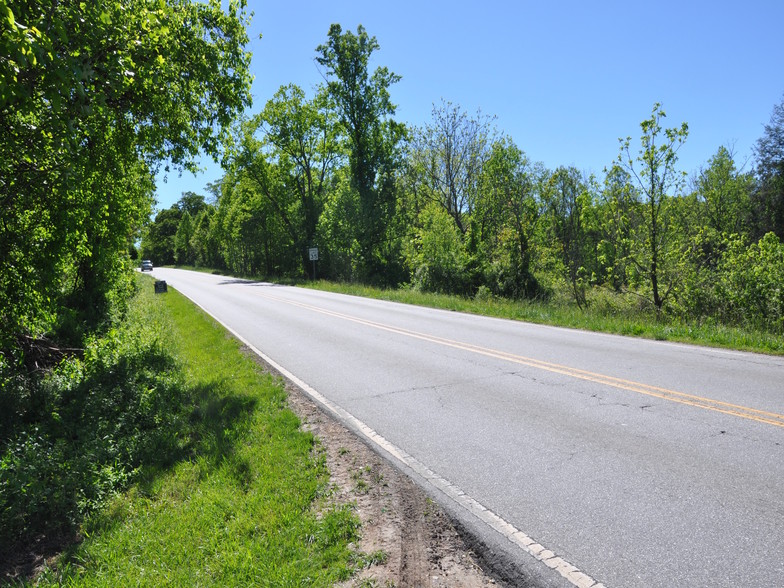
{"points": [[417, 543]]}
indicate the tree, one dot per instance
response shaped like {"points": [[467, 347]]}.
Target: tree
{"points": [[299, 138], [725, 194], [183, 250], [447, 158], [566, 202], [205, 245], [365, 110], [436, 255], [504, 221], [769, 196], [158, 241], [191, 203], [255, 233], [258, 176], [656, 180], [165, 239], [748, 288], [93, 97], [616, 216]]}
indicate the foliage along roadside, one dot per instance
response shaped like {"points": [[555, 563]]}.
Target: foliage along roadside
{"points": [[94, 98], [456, 207], [607, 313], [86, 429], [225, 488]]}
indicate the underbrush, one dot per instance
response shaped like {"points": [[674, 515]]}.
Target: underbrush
{"points": [[83, 430], [175, 460]]}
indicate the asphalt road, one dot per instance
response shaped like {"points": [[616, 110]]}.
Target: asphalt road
{"points": [[577, 459]]}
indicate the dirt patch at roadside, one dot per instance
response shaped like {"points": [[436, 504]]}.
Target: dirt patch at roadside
{"points": [[415, 541]]}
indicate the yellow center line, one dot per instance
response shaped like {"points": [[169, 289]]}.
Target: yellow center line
{"points": [[770, 418]]}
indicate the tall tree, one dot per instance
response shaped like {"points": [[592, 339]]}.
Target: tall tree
{"points": [[656, 179], [158, 240], [183, 250], [769, 197], [300, 136], [191, 203], [447, 156], [725, 194], [365, 110], [566, 201], [204, 242], [94, 95], [618, 200], [504, 221], [259, 174]]}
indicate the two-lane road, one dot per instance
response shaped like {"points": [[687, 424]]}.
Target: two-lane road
{"points": [[584, 459]]}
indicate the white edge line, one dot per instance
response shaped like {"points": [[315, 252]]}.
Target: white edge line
{"points": [[515, 536]]}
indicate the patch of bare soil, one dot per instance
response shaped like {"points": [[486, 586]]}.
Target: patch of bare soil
{"points": [[25, 560], [416, 543]]}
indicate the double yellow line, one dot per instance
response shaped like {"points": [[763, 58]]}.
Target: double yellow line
{"points": [[761, 416]]}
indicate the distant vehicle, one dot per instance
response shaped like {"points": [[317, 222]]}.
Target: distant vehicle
{"points": [[146, 265]]}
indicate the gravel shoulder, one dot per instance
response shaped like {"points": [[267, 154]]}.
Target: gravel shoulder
{"points": [[421, 546]]}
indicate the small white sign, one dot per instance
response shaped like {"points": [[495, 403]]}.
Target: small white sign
{"points": [[313, 253]]}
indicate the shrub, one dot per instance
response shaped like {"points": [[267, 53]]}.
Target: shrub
{"points": [[87, 427], [751, 283], [437, 257]]}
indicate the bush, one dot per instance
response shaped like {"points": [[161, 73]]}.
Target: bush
{"points": [[87, 427], [437, 257], [750, 284]]}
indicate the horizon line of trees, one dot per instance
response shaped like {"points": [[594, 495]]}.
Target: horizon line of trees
{"points": [[457, 207]]}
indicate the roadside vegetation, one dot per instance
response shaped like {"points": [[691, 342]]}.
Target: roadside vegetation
{"points": [[173, 459], [455, 207], [105, 390], [607, 313]]}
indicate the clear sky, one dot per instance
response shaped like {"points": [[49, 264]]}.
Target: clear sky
{"points": [[565, 79]]}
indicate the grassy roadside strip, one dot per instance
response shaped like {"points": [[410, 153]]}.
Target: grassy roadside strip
{"points": [[607, 313], [247, 502], [602, 316]]}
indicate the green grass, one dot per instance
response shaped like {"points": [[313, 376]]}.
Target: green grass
{"points": [[247, 505], [606, 313]]}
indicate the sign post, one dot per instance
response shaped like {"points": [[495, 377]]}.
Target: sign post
{"points": [[313, 256]]}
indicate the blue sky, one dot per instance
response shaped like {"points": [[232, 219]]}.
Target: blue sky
{"points": [[565, 79]]}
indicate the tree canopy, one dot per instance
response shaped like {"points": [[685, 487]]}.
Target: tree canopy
{"points": [[94, 98], [769, 197], [455, 206], [365, 109]]}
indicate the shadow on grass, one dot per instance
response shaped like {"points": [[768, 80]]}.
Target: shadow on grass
{"points": [[216, 421], [128, 420]]}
